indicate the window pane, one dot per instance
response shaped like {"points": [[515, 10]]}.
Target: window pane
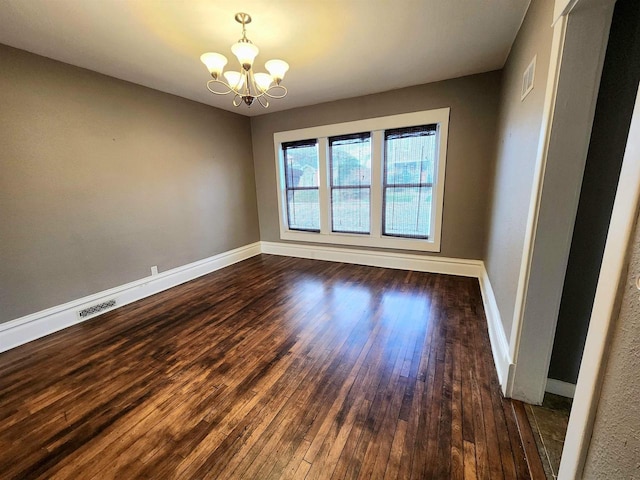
{"points": [[351, 160], [407, 211], [303, 208], [350, 210], [410, 155], [301, 163]]}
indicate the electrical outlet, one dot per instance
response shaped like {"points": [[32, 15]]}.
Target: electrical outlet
{"points": [[154, 270]]}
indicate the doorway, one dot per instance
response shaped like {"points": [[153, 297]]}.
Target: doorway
{"points": [[613, 114]]}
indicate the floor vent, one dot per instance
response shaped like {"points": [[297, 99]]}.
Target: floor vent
{"points": [[96, 309]]}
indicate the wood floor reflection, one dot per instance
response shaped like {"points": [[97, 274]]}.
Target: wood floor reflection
{"points": [[272, 368]]}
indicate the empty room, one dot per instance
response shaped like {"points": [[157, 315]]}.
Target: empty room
{"points": [[319, 239]]}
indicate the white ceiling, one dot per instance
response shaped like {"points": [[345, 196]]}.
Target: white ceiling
{"points": [[336, 49]]}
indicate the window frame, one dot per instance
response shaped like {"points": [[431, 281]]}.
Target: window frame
{"points": [[296, 188], [376, 126], [387, 186]]}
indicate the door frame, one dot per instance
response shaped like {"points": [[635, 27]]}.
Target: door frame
{"points": [[605, 307], [580, 39]]}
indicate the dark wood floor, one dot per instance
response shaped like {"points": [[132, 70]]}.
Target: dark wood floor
{"points": [[272, 368]]}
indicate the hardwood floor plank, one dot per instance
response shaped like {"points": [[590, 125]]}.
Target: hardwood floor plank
{"points": [[534, 463], [301, 472], [274, 368], [470, 472], [520, 459], [395, 457], [457, 446]]}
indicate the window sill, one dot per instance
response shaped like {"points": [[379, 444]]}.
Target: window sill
{"points": [[361, 240]]}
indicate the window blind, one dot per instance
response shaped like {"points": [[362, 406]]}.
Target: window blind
{"points": [[350, 165], [410, 156], [301, 184]]}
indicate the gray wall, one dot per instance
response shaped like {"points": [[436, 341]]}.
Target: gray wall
{"points": [[517, 146], [614, 451], [616, 98], [473, 101], [101, 179]]}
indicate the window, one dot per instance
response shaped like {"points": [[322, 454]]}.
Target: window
{"points": [[376, 182], [301, 180], [409, 156], [350, 160]]}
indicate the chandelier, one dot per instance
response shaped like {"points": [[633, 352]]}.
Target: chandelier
{"points": [[245, 85]]}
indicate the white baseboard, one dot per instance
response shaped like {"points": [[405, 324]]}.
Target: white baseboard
{"points": [[31, 327], [558, 387], [497, 336], [374, 258]]}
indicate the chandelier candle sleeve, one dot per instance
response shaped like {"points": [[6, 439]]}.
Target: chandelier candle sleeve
{"points": [[245, 85], [263, 80], [246, 53], [235, 79], [277, 69], [214, 62]]}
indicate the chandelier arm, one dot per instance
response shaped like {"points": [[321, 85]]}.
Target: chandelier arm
{"points": [[231, 89], [263, 101], [271, 95], [237, 100]]}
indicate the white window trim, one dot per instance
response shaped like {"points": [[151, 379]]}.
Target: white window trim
{"points": [[376, 126]]}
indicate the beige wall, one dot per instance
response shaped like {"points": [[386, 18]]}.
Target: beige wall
{"points": [[471, 149], [101, 179], [614, 451], [518, 136]]}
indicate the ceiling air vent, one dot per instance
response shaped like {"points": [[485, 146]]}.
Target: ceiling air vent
{"points": [[96, 309], [527, 79]]}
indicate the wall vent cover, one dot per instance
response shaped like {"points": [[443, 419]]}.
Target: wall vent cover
{"points": [[96, 309], [527, 78]]}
